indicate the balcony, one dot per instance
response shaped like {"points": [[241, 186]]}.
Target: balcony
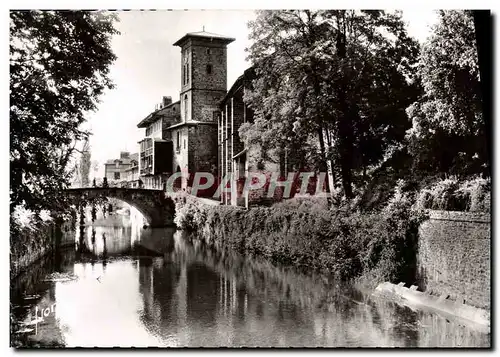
{"points": [[147, 152]]}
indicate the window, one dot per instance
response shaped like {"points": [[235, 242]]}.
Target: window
{"points": [[185, 107], [117, 175], [209, 68], [186, 68], [184, 143], [208, 51], [178, 141]]}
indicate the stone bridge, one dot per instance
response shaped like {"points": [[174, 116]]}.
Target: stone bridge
{"points": [[156, 208]]}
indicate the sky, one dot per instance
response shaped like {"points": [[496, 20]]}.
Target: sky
{"points": [[148, 67]]}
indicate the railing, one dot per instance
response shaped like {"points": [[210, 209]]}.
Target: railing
{"points": [[146, 171], [147, 152]]}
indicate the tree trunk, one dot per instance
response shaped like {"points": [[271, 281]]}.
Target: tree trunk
{"points": [[332, 166], [282, 162], [324, 166], [364, 170], [345, 165], [345, 130], [484, 37]]}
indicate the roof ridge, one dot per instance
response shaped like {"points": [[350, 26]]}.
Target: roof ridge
{"points": [[207, 35]]}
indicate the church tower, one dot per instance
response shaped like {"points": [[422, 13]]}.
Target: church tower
{"points": [[203, 87], [203, 74]]}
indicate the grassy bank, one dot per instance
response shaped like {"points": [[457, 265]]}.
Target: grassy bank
{"points": [[369, 247]]}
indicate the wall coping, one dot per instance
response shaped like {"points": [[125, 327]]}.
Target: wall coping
{"points": [[476, 217], [411, 296]]}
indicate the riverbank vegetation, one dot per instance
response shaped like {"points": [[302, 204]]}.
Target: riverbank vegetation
{"points": [[344, 240], [306, 233], [454, 194]]}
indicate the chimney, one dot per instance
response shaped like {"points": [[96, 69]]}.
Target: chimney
{"points": [[166, 101], [124, 155]]}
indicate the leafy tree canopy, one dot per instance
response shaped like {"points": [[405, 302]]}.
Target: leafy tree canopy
{"points": [[344, 77], [59, 66], [447, 134]]}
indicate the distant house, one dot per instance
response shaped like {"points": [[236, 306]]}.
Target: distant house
{"points": [[132, 173], [115, 170]]}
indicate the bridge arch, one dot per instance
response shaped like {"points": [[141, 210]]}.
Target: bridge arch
{"points": [[157, 209]]}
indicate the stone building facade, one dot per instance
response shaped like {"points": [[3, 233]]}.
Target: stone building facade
{"points": [[182, 136], [132, 173], [156, 149], [200, 132], [235, 160], [203, 86], [115, 170], [239, 162]]}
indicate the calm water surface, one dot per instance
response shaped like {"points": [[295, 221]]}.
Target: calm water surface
{"points": [[154, 287]]}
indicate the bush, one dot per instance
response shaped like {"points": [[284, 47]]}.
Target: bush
{"points": [[477, 192], [453, 195], [443, 194], [303, 204]]}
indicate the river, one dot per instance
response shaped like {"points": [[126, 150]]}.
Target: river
{"points": [[118, 284]]}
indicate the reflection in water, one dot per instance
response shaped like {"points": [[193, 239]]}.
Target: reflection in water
{"points": [[155, 287]]}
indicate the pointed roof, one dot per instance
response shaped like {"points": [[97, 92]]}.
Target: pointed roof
{"points": [[205, 35]]}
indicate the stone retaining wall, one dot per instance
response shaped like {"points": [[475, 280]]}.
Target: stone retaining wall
{"points": [[454, 256]]}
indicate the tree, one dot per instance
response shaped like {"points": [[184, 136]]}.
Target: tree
{"points": [[85, 164], [93, 212], [81, 168], [342, 77], [448, 132], [95, 168], [59, 67], [484, 41]]}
